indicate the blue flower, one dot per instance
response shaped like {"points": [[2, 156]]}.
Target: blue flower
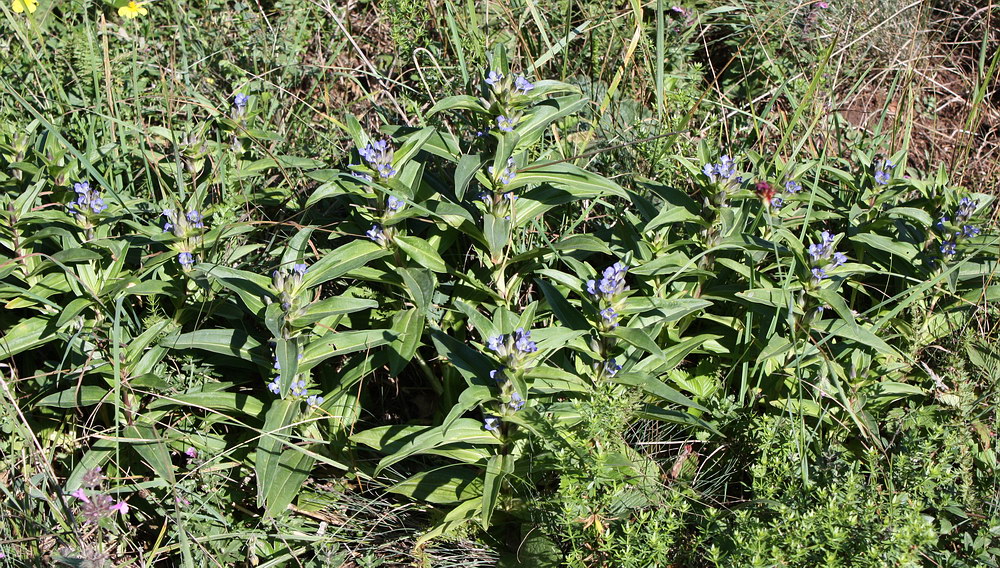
{"points": [[493, 78], [793, 186], [709, 171], [940, 222], [298, 388], [523, 85], [610, 316], [360, 175], [725, 169], [508, 173], [818, 273], [949, 248], [379, 156], [522, 341], [240, 100], [300, 269], [966, 207], [376, 234], [185, 258], [86, 199], [491, 423], [839, 259], [314, 400], [505, 124], [516, 402], [611, 367], [969, 231], [195, 218], [611, 284], [881, 177], [777, 202], [498, 375], [274, 387], [394, 204]]}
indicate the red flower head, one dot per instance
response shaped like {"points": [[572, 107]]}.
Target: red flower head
{"points": [[765, 192]]}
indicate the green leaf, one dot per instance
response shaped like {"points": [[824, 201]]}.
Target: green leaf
{"points": [[496, 469], [657, 388], [567, 314], [420, 282], [667, 309], [653, 412], [422, 252], [408, 149], [342, 260], [471, 364], [879, 243], [455, 102], [341, 343], [465, 171], [251, 288], [462, 430], [331, 307], [85, 395], [860, 335], [151, 448], [497, 233], [230, 342], [27, 334], [444, 486], [638, 338], [567, 177], [280, 474], [219, 401], [408, 325]]}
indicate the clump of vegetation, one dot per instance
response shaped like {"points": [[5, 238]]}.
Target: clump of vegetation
{"points": [[552, 285]]}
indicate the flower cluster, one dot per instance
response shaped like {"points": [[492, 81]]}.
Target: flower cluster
{"points": [[607, 292], [379, 155], [513, 349], [510, 400], [883, 172], [183, 227], [521, 85], [955, 229], [770, 195], [296, 389], [88, 201], [186, 227], [506, 97], [95, 504], [506, 176], [766, 192], [723, 171], [823, 257], [288, 284]]}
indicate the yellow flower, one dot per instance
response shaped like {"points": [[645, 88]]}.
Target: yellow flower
{"points": [[20, 6], [131, 10]]}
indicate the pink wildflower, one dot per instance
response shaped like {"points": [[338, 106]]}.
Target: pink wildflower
{"points": [[79, 494]]}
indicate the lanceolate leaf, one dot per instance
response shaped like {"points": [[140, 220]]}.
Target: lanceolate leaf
{"points": [[342, 260], [230, 342]]}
